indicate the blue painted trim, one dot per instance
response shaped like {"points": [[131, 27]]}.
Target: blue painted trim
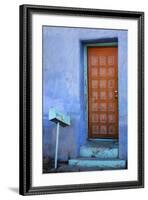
{"points": [[86, 87], [103, 139], [100, 40], [110, 44], [98, 163]]}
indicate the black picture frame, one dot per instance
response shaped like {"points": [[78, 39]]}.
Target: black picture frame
{"points": [[25, 187]]}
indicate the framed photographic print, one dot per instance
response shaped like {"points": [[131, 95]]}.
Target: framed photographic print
{"points": [[81, 99]]}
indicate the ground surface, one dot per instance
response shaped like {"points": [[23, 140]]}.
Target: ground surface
{"points": [[67, 168]]}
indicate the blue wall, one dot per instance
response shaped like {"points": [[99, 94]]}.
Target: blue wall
{"points": [[63, 86]]}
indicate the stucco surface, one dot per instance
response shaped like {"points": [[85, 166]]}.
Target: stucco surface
{"points": [[63, 86], [99, 164], [100, 149]]}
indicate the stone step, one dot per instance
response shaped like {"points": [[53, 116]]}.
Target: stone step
{"points": [[98, 164], [100, 149]]}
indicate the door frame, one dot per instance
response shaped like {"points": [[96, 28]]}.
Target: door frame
{"points": [[86, 46]]}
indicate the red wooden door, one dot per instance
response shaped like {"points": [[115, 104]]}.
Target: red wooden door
{"points": [[102, 92]]}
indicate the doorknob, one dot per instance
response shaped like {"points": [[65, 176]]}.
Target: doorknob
{"points": [[116, 94]]}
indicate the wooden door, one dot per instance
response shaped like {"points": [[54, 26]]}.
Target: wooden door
{"points": [[102, 92]]}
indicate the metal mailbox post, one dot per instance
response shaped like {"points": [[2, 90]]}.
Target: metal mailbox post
{"points": [[61, 120]]}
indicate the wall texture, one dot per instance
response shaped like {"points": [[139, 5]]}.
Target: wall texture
{"points": [[63, 86]]}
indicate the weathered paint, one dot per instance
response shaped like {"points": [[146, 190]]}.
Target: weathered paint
{"points": [[63, 86], [57, 116], [99, 164], [101, 44], [100, 149], [86, 88]]}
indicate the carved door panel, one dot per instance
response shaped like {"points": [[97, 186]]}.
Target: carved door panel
{"points": [[102, 92]]}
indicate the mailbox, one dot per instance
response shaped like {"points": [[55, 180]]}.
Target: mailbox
{"points": [[57, 116], [60, 119]]}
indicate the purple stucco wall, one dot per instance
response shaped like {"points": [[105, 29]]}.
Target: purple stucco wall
{"points": [[63, 86]]}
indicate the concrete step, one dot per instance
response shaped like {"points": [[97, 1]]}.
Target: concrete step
{"points": [[98, 164], [100, 149]]}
